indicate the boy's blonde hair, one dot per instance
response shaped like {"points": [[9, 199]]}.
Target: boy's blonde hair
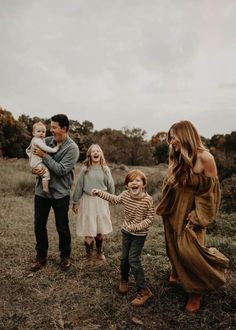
{"points": [[133, 174]]}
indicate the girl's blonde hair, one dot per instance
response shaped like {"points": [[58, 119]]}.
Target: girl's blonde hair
{"points": [[181, 162], [88, 162]]}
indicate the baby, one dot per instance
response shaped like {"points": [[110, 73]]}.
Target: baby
{"points": [[39, 133]]}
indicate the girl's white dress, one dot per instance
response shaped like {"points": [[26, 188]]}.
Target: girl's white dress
{"points": [[93, 216]]}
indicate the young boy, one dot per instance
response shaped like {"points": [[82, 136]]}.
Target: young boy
{"points": [[39, 133], [138, 216]]}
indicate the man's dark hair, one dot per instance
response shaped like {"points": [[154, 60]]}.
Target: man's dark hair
{"points": [[62, 120]]}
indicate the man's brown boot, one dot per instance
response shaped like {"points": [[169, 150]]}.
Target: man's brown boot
{"points": [[123, 287], [38, 264], [194, 303], [142, 297], [65, 264]]}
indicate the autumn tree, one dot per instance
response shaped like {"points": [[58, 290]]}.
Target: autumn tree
{"points": [[14, 136]]}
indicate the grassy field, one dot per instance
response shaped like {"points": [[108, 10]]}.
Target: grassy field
{"points": [[86, 297]]}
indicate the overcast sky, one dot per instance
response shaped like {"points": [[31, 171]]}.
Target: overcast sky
{"points": [[116, 63]]}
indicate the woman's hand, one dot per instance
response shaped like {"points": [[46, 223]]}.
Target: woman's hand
{"points": [[189, 225]]}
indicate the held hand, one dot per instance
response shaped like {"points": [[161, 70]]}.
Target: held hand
{"points": [[131, 228], [94, 192], [75, 208]]}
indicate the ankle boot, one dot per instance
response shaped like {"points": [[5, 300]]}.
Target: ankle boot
{"points": [[173, 277], [100, 254], [89, 249], [194, 302], [142, 296]]}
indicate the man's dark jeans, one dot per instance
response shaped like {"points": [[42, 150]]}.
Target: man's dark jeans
{"points": [[42, 208], [130, 258]]}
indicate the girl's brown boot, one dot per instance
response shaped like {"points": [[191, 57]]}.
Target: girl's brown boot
{"points": [[100, 254], [89, 249]]}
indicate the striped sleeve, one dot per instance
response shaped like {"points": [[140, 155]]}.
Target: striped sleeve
{"points": [[113, 199]]}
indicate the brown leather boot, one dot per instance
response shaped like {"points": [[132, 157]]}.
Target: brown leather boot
{"points": [[100, 254], [193, 303], [123, 287], [173, 278], [65, 264], [89, 250], [38, 264], [142, 296]]}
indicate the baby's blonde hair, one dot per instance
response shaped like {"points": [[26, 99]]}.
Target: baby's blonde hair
{"points": [[38, 123]]}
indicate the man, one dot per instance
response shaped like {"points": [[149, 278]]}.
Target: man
{"points": [[61, 166]]}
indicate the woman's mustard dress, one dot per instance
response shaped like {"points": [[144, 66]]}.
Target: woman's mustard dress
{"points": [[198, 267]]}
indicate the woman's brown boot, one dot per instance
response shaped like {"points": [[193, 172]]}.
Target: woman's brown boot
{"points": [[173, 277], [194, 302]]}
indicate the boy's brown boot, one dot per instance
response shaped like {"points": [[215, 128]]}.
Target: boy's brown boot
{"points": [[123, 287], [193, 303], [142, 296]]}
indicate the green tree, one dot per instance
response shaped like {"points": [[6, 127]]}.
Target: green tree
{"points": [[140, 152]]}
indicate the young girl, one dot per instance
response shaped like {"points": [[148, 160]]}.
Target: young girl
{"points": [[93, 220], [138, 216]]}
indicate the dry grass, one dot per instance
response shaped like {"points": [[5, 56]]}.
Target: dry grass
{"points": [[86, 296]]}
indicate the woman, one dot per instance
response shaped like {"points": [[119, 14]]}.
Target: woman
{"points": [[191, 197]]}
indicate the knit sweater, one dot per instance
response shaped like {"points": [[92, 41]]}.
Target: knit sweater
{"points": [[95, 177], [138, 213], [61, 166]]}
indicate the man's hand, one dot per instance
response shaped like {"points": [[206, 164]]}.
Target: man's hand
{"points": [[37, 151], [38, 171], [75, 208]]}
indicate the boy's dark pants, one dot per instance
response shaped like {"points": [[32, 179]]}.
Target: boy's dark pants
{"points": [[42, 208], [130, 258]]}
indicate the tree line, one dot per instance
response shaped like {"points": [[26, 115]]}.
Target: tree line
{"points": [[126, 146]]}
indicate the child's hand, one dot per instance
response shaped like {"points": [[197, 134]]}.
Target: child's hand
{"points": [[94, 192], [131, 228], [75, 208]]}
